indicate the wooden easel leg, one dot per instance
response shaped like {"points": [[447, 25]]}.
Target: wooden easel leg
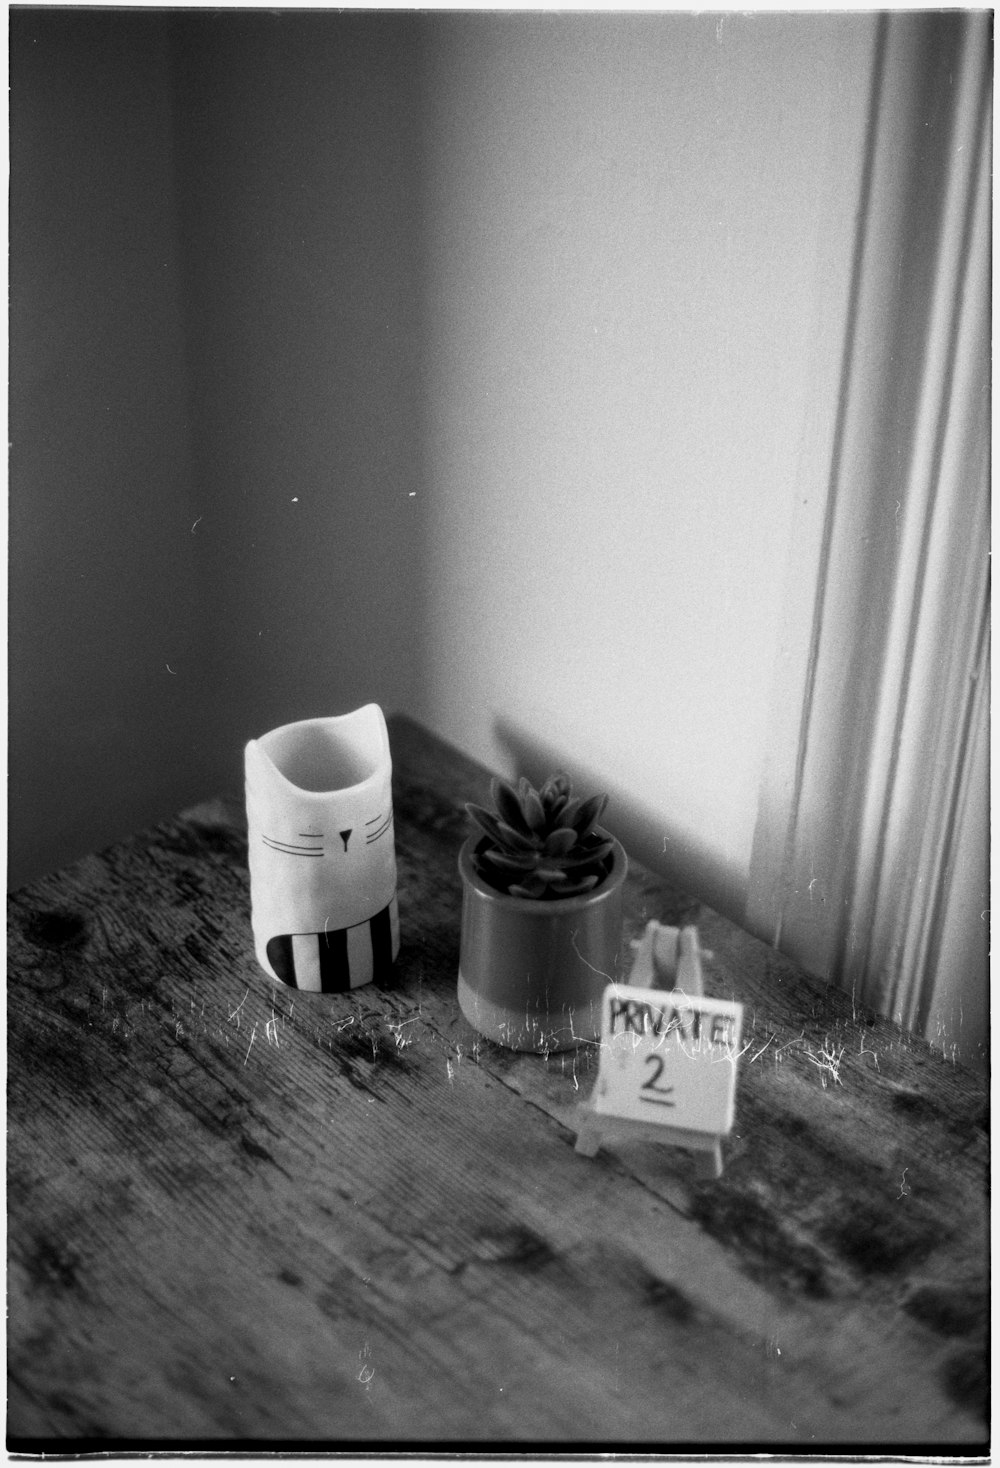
{"points": [[594, 1127], [588, 1138], [708, 1165]]}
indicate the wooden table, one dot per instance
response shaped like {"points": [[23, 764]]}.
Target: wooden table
{"points": [[239, 1215]]}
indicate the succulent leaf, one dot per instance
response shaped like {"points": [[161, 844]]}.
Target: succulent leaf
{"points": [[583, 884], [559, 842], [568, 814], [485, 820], [532, 886], [549, 873], [508, 805], [513, 840], [588, 813], [555, 789], [534, 810], [541, 843], [513, 862], [594, 851]]}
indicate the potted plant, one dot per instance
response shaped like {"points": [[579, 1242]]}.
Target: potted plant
{"points": [[541, 916]]}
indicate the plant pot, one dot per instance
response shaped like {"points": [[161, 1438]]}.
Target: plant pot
{"points": [[532, 973]]}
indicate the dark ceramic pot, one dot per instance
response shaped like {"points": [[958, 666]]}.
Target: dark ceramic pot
{"points": [[532, 974]]}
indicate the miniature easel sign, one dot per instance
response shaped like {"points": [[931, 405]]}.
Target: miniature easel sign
{"points": [[668, 1054]]}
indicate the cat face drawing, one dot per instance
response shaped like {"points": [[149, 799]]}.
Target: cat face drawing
{"points": [[321, 851]]}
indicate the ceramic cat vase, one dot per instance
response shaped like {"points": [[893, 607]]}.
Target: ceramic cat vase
{"points": [[322, 853]]}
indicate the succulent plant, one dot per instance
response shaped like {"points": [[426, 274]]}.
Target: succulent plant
{"points": [[541, 843]]}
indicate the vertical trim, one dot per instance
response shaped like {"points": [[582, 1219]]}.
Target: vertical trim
{"points": [[819, 607], [974, 718], [872, 805], [936, 411], [838, 288]]}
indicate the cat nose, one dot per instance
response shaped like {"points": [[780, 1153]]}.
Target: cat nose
{"points": [[345, 836]]}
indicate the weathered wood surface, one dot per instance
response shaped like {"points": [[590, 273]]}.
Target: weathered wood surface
{"points": [[238, 1214]]}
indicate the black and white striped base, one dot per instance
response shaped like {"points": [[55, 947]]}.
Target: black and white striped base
{"points": [[341, 959]]}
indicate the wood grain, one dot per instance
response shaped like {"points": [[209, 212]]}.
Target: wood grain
{"points": [[241, 1215]]}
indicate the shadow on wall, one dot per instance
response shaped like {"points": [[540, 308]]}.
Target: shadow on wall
{"points": [[214, 361], [299, 205], [665, 846]]}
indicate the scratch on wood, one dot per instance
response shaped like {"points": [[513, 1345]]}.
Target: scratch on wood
{"points": [[236, 1012], [872, 1053], [396, 1030], [828, 1060], [789, 1043]]}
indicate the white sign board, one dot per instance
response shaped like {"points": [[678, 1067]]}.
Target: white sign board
{"points": [[669, 1058]]}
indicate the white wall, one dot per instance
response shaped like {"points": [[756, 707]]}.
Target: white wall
{"points": [[638, 243], [528, 473]]}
